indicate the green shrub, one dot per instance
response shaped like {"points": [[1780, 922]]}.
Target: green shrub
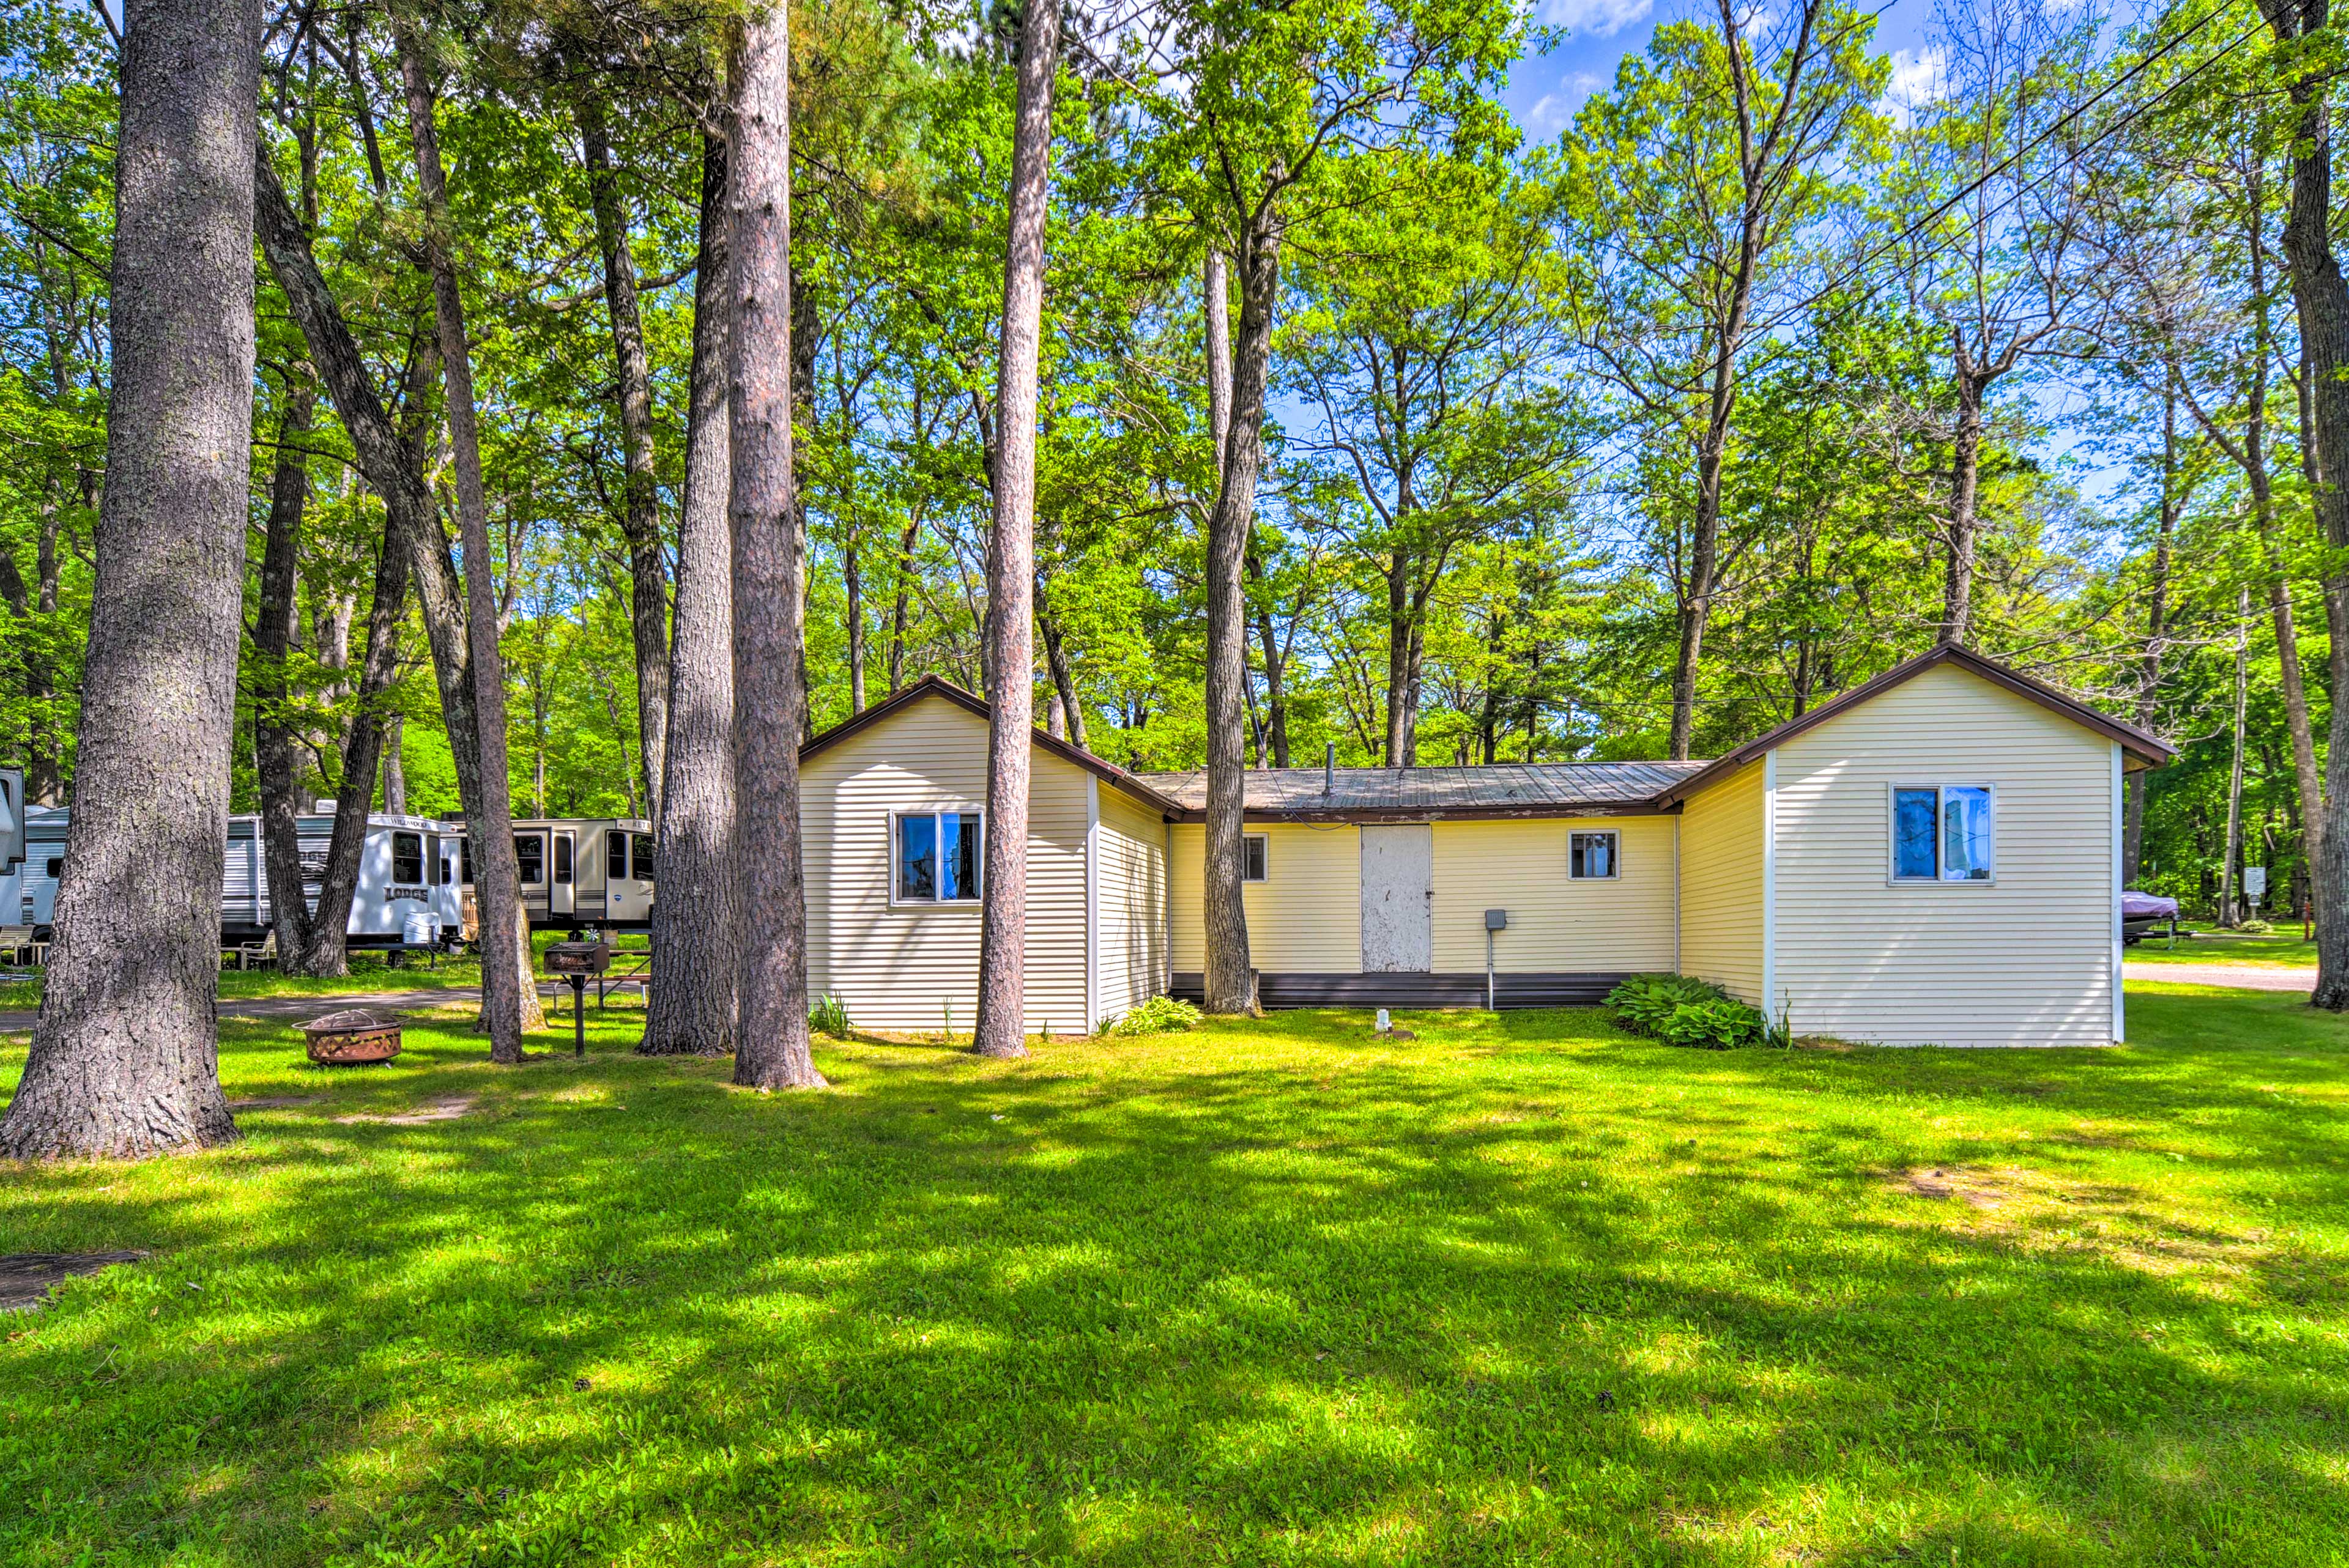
{"points": [[2256, 927], [829, 1016], [1159, 1016], [1681, 1011]]}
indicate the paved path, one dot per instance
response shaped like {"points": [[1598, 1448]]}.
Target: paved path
{"points": [[317, 1005], [2241, 976]]}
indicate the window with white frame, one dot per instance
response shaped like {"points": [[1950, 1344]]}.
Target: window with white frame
{"points": [[937, 857], [1255, 857], [1593, 855], [1944, 833]]}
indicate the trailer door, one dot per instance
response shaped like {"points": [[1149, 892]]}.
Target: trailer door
{"points": [[562, 894]]}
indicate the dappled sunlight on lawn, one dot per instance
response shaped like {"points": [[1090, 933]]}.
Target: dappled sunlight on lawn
{"points": [[1520, 1289]]}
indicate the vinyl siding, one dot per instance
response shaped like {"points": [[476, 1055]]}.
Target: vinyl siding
{"points": [[1304, 918], [1556, 922], [1131, 902], [2024, 961], [1721, 884], [896, 966]]}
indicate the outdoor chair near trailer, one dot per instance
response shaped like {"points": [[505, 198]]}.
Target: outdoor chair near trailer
{"points": [[578, 874]]}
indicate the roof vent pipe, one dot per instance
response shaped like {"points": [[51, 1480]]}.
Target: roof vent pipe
{"points": [[1329, 768]]}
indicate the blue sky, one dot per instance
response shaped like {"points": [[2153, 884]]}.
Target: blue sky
{"points": [[1545, 90]]}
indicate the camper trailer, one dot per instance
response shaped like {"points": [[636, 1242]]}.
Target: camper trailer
{"points": [[402, 876], [578, 874]]}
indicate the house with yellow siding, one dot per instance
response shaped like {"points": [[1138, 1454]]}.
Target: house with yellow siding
{"points": [[1931, 857]]}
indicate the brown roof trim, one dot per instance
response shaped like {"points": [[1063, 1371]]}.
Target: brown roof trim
{"points": [[933, 685], [1548, 812], [2149, 749]]}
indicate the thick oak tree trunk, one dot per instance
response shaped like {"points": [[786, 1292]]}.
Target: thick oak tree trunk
{"points": [[771, 1035], [640, 516], [1230, 980], [1001, 1029], [698, 919], [505, 947], [125, 1059]]}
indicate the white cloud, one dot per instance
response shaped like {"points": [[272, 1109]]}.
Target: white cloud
{"points": [[1552, 109], [1920, 77], [1595, 19]]}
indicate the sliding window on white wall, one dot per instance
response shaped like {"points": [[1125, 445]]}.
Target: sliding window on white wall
{"points": [[1944, 833], [937, 856]]}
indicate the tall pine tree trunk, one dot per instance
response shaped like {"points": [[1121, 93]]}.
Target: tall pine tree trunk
{"points": [[506, 978], [770, 1040], [276, 745], [125, 1059], [393, 461], [330, 925], [1230, 980], [395, 766], [640, 514], [698, 918], [1965, 506], [2323, 298], [2156, 628], [1001, 1029], [2230, 873]]}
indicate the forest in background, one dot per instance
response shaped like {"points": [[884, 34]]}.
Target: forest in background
{"points": [[1760, 376]]}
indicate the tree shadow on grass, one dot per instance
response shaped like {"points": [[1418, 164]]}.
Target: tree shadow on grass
{"points": [[1120, 1305]]}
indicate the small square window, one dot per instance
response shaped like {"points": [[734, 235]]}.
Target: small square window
{"points": [[939, 857], [1255, 857], [1943, 832], [530, 853], [1592, 855]]}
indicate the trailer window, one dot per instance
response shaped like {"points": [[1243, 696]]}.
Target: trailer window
{"points": [[56, 868], [407, 859], [937, 857], [563, 857], [465, 859], [640, 855], [530, 850], [440, 860], [615, 856]]}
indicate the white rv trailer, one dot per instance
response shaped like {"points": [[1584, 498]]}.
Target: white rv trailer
{"points": [[578, 872], [403, 872]]}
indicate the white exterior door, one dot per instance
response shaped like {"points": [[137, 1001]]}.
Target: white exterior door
{"points": [[1398, 893]]}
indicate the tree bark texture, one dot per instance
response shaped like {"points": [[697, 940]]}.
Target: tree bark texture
{"points": [[125, 1059], [1965, 505], [2322, 297], [505, 960], [275, 741], [2157, 629], [329, 951], [1000, 1029], [698, 919], [1230, 980], [395, 766], [2229, 870], [771, 1037], [393, 462], [648, 607]]}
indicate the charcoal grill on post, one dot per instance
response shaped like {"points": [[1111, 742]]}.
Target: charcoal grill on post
{"points": [[342, 1039], [574, 961]]}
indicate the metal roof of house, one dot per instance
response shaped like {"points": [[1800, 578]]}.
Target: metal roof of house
{"points": [[1413, 794]]}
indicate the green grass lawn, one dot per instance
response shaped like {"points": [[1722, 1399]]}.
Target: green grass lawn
{"points": [[369, 970], [1522, 1290], [2211, 945]]}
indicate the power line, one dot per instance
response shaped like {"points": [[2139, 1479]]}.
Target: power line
{"points": [[1860, 266]]}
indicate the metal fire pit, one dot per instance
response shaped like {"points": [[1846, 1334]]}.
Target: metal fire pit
{"points": [[342, 1039]]}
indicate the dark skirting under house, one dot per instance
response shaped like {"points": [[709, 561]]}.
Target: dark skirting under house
{"points": [[1565, 989]]}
